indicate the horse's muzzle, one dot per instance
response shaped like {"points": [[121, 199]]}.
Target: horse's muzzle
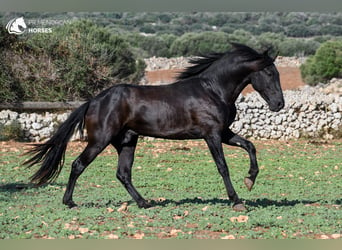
{"points": [[277, 105]]}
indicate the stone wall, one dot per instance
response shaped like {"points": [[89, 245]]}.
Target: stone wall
{"points": [[36, 126], [308, 112], [161, 63]]}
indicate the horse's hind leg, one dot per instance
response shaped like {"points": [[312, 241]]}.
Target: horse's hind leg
{"points": [[126, 149], [78, 166], [235, 140]]}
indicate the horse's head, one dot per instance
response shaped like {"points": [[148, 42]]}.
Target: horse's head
{"points": [[267, 83], [261, 72]]}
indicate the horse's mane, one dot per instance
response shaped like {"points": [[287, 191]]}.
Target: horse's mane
{"points": [[203, 62], [199, 65]]}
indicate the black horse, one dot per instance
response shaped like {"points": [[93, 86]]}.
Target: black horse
{"points": [[200, 104]]}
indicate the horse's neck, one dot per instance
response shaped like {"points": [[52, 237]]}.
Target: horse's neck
{"points": [[226, 82], [237, 91], [231, 88]]}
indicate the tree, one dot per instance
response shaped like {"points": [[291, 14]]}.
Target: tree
{"points": [[325, 64], [297, 47], [200, 43]]}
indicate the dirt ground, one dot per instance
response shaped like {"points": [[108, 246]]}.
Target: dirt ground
{"points": [[290, 78], [161, 146]]}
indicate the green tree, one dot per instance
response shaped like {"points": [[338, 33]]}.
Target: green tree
{"points": [[298, 47], [269, 39], [325, 64], [200, 43], [154, 45]]}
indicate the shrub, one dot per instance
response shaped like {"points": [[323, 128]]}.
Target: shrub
{"points": [[155, 45], [10, 90], [324, 65], [7, 91], [12, 131], [74, 62], [191, 44], [270, 40], [298, 47]]}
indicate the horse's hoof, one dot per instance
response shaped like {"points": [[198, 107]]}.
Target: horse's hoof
{"points": [[71, 205], [144, 205], [239, 207], [249, 183]]}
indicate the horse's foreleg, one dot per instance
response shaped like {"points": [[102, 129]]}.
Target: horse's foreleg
{"points": [[215, 146], [235, 140], [124, 173]]}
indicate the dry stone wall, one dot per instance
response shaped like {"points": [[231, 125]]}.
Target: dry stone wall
{"points": [[309, 112], [36, 126], [161, 63]]}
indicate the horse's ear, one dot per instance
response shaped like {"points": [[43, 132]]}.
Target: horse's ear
{"points": [[265, 54], [276, 55], [262, 61]]}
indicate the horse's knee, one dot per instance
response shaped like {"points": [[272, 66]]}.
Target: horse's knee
{"points": [[77, 167], [123, 175], [250, 147], [119, 176]]}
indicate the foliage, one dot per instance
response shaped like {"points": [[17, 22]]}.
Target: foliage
{"points": [[325, 64], [297, 194], [149, 45], [9, 88], [199, 43], [75, 61], [81, 58], [12, 131], [298, 47], [293, 24]]}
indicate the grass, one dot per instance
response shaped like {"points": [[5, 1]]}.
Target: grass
{"points": [[297, 194]]}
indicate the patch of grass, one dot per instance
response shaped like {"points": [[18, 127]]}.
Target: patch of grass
{"points": [[297, 194]]}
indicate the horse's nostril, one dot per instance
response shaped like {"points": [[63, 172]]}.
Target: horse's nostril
{"points": [[277, 105], [281, 104]]}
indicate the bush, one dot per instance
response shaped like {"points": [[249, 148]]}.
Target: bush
{"points": [[270, 40], [191, 44], [324, 65], [10, 89], [155, 45], [74, 62], [12, 131], [7, 88], [298, 47]]}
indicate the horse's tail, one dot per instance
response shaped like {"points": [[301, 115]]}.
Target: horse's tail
{"points": [[51, 154]]}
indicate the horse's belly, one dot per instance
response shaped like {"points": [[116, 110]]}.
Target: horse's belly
{"points": [[166, 129]]}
